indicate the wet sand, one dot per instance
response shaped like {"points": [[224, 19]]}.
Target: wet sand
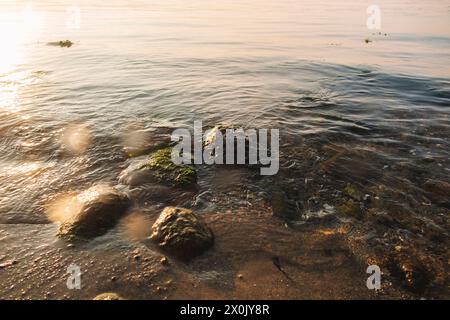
{"points": [[315, 264]]}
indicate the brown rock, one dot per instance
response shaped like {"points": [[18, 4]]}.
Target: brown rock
{"points": [[182, 233]]}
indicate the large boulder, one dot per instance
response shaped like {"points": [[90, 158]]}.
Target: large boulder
{"points": [[158, 168], [182, 233], [92, 212]]}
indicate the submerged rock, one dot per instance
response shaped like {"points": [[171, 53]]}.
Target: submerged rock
{"points": [[93, 212], [412, 274], [353, 192], [108, 296], [326, 214], [159, 168], [350, 208], [438, 192], [62, 43], [182, 233], [215, 140], [282, 207]]}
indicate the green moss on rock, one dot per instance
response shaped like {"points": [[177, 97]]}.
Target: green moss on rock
{"points": [[350, 208], [353, 192], [161, 169]]}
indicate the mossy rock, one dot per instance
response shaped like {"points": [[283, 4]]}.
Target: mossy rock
{"points": [[353, 192], [108, 296], [350, 208], [92, 212], [159, 168], [182, 233]]}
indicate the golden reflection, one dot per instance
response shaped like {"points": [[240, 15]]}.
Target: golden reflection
{"points": [[63, 208], [135, 140], [68, 205], [16, 29], [136, 226]]}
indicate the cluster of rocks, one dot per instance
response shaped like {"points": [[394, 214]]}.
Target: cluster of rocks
{"points": [[177, 231], [184, 234]]}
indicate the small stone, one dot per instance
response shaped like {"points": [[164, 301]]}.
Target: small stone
{"points": [[164, 261], [108, 296], [8, 263], [160, 289]]}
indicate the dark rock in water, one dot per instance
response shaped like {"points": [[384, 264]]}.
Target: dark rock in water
{"points": [[323, 215], [182, 233], [62, 43], [412, 274], [282, 207], [93, 212], [108, 296], [353, 192], [236, 136], [438, 192], [159, 168], [350, 208]]}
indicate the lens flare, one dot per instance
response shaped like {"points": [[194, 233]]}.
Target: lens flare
{"points": [[77, 138]]}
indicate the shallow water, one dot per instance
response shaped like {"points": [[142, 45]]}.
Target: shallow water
{"points": [[372, 114]]}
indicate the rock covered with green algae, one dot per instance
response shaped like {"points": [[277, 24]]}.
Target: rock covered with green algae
{"points": [[350, 208], [182, 233], [353, 192], [108, 296], [159, 168], [92, 212]]}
